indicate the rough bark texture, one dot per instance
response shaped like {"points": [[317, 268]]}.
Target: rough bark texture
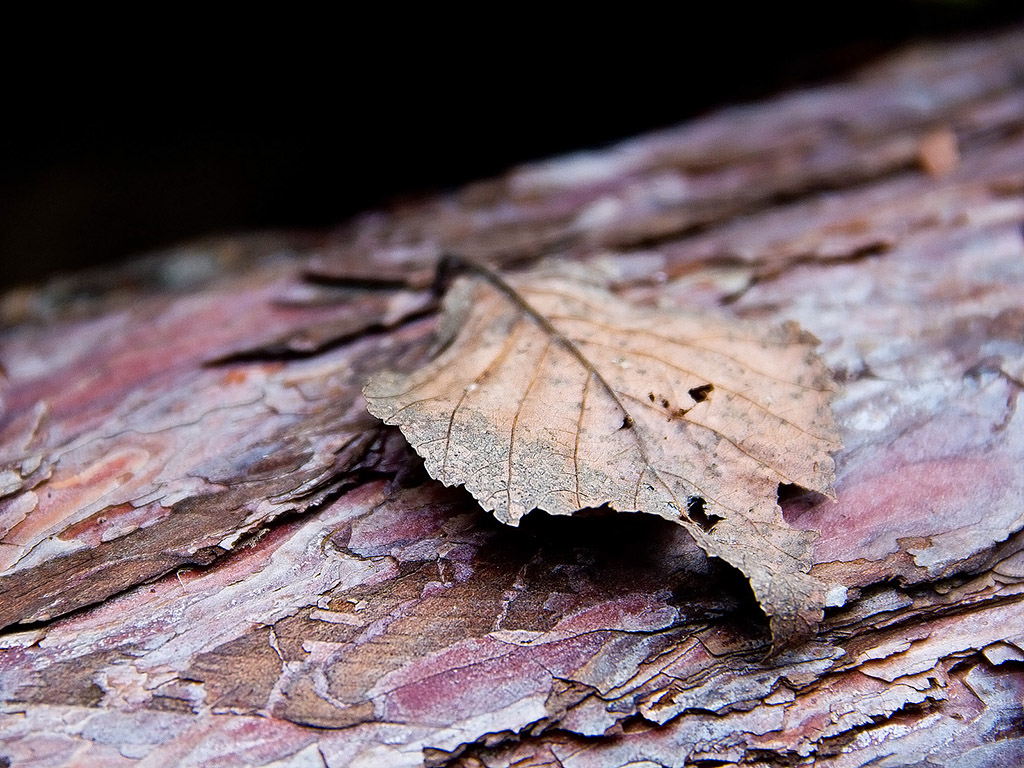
{"points": [[212, 555]]}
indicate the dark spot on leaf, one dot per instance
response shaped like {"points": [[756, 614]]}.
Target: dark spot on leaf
{"points": [[650, 396], [700, 394], [664, 402], [789, 491], [627, 422], [696, 512]]}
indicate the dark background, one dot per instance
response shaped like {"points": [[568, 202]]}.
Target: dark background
{"points": [[112, 147]]}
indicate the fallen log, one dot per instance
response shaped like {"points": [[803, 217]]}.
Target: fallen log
{"points": [[212, 554]]}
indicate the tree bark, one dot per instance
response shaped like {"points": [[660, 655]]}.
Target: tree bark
{"points": [[212, 555]]}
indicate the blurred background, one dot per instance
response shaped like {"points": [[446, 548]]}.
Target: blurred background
{"points": [[112, 147]]}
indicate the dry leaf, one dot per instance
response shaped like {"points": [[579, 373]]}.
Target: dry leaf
{"points": [[549, 392]]}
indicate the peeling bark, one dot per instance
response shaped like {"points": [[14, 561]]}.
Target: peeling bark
{"points": [[210, 553]]}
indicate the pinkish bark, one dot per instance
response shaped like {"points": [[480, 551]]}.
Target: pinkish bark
{"points": [[211, 555]]}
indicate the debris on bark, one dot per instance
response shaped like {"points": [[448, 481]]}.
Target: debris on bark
{"points": [[548, 393], [211, 554]]}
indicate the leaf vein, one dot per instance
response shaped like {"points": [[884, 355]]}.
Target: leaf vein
{"points": [[617, 330], [737, 393]]}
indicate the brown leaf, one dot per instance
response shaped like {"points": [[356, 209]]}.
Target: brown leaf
{"points": [[549, 392]]}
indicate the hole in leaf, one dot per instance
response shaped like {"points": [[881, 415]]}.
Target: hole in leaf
{"points": [[696, 512], [796, 501], [789, 492], [700, 394]]}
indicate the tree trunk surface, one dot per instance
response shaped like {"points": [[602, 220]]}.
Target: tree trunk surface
{"points": [[211, 553]]}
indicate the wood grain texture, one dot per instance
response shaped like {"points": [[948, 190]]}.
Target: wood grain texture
{"points": [[212, 555]]}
